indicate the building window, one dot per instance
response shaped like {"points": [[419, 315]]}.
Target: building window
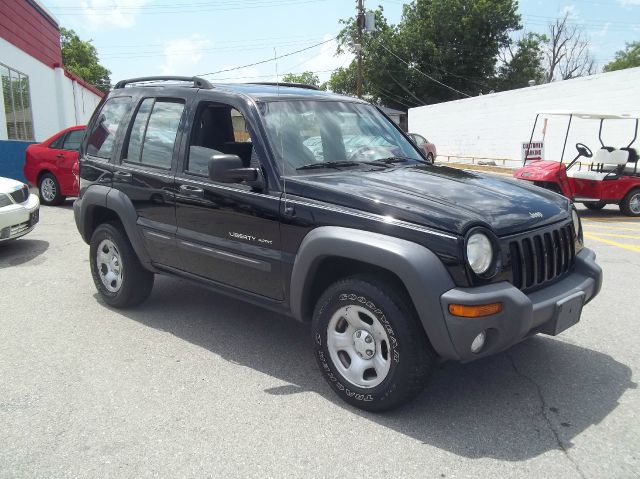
{"points": [[17, 104]]}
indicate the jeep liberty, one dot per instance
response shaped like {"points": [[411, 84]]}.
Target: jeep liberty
{"points": [[319, 207]]}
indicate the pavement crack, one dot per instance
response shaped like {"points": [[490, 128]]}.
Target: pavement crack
{"points": [[543, 410]]}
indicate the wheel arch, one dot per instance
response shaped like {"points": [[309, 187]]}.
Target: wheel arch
{"points": [[101, 204], [327, 253]]}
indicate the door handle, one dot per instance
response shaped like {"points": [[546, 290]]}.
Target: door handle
{"points": [[123, 176], [60, 155], [189, 190]]}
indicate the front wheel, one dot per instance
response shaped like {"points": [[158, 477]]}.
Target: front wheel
{"points": [[369, 346], [595, 205], [630, 205], [117, 273], [49, 190]]}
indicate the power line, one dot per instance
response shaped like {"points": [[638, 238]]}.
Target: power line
{"points": [[268, 60], [421, 72]]}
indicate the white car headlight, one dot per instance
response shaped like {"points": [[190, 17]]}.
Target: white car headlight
{"points": [[576, 221], [479, 252]]}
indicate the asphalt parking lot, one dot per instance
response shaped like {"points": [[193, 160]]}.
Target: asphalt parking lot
{"points": [[193, 384]]}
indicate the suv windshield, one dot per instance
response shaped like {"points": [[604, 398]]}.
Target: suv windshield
{"points": [[310, 135]]}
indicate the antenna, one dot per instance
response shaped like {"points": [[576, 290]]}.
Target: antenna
{"points": [[284, 176]]}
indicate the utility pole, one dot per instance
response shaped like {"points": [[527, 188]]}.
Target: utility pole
{"points": [[360, 24]]}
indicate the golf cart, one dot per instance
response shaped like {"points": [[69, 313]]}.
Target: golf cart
{"points": [[611, 176]]}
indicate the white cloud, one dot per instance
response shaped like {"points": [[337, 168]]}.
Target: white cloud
{"points": [[571, 11], [112, 13], [326, 59], [183, 55]]}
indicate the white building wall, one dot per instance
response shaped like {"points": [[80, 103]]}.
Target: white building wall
{"points": [[495, 125], [52, 95]]}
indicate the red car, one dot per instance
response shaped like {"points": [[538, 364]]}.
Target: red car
{"points": [[425, 145], [49, 165]]}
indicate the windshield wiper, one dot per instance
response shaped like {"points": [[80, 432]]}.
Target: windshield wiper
{"points": [[394, 159], [328, 164]]}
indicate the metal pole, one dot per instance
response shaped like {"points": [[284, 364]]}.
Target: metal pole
{"points": [[359, 22], [566, 138], [526, 154]]}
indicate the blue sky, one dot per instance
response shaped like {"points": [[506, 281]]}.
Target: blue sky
{"points": [[185, 37]]}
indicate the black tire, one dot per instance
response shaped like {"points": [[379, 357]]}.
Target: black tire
{"points": [[411, 357], [430, 159], [595, 205], [630, 205], [136, 282], [51, 197]]}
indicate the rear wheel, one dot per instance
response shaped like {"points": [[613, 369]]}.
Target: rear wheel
{"points": [[370, 348], [630, 205], [49, 190], [430, 159], [595, 205], [117, 273]]}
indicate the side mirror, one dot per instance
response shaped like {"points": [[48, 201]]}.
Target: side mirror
{"points": [[230, 169]]}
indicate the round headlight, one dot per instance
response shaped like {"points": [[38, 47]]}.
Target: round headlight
{"points": [[576, 221], [479, 253]]}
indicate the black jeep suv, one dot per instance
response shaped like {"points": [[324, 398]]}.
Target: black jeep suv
{"points": [[317, 206]]}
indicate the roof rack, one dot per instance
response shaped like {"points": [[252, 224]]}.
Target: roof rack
{"points": [[288, 85], [197, 81]]}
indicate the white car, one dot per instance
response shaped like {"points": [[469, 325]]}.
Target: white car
{"points": [[19, 209]]}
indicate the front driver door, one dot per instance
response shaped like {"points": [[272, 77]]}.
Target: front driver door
{"points": [[228, 233]]}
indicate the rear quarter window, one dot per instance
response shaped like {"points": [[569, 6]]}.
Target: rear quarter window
{"points": [[102, 137]]}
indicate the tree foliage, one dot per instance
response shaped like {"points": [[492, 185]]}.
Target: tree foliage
{"points": [[308, 78], [627, 58], [521, 62], [81, 58], [455, 42]]}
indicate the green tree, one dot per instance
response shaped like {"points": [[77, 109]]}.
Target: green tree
{"points": [[627, 58], [308, 78], [522, 61], [451, 42], [81, 58]]}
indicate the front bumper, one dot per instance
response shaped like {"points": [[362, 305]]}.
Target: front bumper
{"points": [[19, 219], [522, 314]]}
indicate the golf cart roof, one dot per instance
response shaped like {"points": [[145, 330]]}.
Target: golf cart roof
{"points": [[589, 115]]}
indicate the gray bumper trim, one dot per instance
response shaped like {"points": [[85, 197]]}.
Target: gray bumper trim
{"points": [[522, 314]]}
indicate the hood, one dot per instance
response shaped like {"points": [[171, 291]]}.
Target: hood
{"points": [[439, 197], [540, 170], [7, 185]]}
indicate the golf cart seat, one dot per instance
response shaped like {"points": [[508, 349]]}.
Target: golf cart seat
{"points": [[611, 162]]}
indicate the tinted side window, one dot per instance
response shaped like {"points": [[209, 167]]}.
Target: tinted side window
{"points": [[134, 150], [103, 135], [73, 140], [156, 125], [57, 143]]}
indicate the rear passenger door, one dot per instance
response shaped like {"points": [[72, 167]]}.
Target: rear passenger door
{"points": [[146, 169], [228, 233]]}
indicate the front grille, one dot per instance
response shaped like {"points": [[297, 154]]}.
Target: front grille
{"points": [[21, 195], [542, 256], [18, 229]]}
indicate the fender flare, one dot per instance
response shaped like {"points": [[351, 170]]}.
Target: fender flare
{"points": [[420, 270], [121, 205]]}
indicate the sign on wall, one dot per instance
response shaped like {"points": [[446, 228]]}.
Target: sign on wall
{"points": [[533, 151]]}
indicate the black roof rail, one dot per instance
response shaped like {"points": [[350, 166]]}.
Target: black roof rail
{"points": [[288, 85], [197, 81]]}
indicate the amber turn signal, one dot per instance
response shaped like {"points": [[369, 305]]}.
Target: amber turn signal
{"points": [[477, 311]]}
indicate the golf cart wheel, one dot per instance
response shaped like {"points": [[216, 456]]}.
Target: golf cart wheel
{"points": [[117, 273], [369, 346], [595, 205], [49, 190], [630, 205]]}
